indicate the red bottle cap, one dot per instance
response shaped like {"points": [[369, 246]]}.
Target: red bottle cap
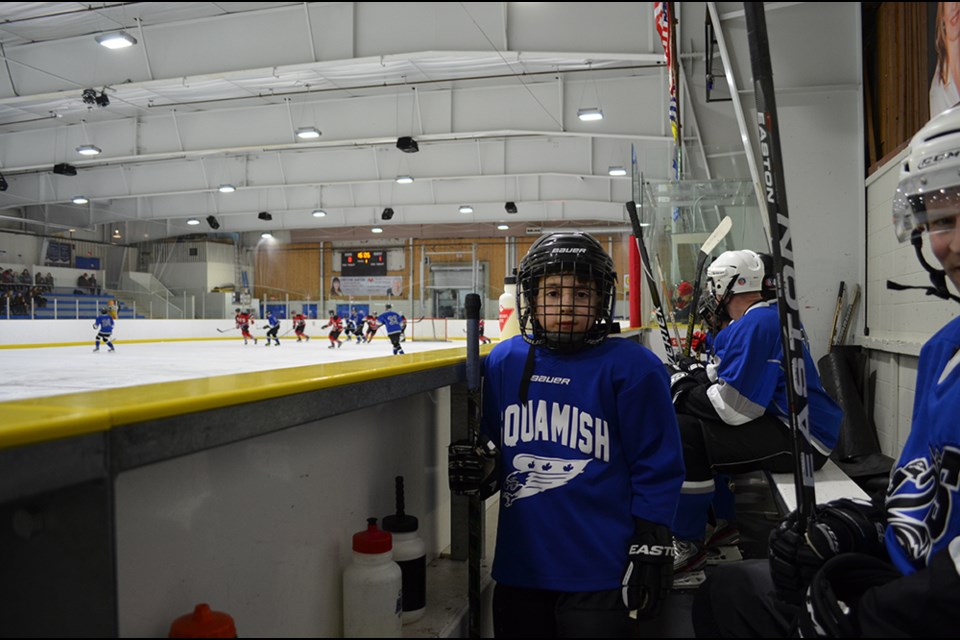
{"points": [[203, 623], [373, 540]]}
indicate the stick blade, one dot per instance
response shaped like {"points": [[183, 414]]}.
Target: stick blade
{"points": [[718, 234]]}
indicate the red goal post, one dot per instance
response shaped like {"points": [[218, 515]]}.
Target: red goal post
{"points": [[427, 330]]}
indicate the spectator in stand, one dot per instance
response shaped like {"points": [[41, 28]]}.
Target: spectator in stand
{"points": [[94, 285], [83, 283], [25, 280], [48, 281], [38, 300]]}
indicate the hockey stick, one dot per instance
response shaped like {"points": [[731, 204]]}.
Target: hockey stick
{"points": [[669, 306], [416, 321], [836, 317], [709, 245], [475, 508], [651, 284], [226, 330], [774, 189], [848, 315]]}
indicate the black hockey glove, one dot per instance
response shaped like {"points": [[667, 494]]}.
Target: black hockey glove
{"points": [[830, 607], [696, 369], [648, 576], [681, 382], [840, 526], [474, 467]]}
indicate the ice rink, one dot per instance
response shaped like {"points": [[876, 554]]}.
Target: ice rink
{"points": [[38, 372]]}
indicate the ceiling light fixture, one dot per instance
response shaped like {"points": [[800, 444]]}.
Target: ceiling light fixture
{"points": [[510, 207], [387, 214], [376, 230], [404, 179], [227, 188], [193, 222], [308, 133], [319, 213], [80, 200], [116, 40], [116, 233], [89, 150], [465, 208], [617, 171], [503, 227], [266, 234], [265, 215], [589, 114]]}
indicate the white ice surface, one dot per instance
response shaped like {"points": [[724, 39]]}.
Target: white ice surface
{"points": [[30, 373]]}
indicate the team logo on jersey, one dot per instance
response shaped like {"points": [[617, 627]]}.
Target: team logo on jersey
{"points": [[536, 474], [919, 501]]}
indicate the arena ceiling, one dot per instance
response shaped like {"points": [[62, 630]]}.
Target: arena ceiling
{"points": [[214, 93]]}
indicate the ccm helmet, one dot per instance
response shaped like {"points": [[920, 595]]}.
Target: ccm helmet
{"points": [[928, 195], [575, 253], [731, 273]]}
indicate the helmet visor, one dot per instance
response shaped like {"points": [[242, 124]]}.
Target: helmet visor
{"points": [[930, 203]]}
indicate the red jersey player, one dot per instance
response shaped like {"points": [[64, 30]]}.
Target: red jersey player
{"points": [[336, 326], [372, 326], [299, 326], [244, 318]]}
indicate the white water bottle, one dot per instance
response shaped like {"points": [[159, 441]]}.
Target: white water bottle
{"points": [[372, 587], [509, 326], [410, 552]]}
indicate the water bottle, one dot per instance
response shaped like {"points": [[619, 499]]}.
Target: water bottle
{"points": [[410, 552], [372, 587], [509, 326]]}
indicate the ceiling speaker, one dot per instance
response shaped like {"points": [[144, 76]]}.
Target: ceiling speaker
{"points": [[407, 145]]}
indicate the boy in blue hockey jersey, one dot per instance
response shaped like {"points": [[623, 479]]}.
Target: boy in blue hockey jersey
{"points": [[733, 412], [394, 323], [104, 326], [589, 458], [272, 327], [890, 569]]}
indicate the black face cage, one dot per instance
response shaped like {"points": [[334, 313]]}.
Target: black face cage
{"points": [[586, 269]]}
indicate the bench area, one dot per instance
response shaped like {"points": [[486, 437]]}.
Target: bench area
{"points": [[829, 483]]}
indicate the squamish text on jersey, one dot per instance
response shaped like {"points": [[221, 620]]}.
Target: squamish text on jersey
{"points": [[560, 423]]}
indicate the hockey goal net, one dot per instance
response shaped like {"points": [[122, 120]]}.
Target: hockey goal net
{"points": [[427, 329]]}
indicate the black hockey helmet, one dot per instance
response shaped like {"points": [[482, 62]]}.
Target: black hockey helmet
{"points": [[103, 310], [575, 253], [236, 310], [388, 306]]}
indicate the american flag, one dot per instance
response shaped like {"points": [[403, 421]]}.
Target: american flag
{"points": [[661, 17]]}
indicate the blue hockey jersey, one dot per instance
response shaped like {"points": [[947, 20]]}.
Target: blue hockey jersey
{"points": [[595, 445], [923, 497]]}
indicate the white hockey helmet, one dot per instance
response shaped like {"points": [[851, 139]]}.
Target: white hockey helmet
{"points": [[929, 188], [735, 272]]}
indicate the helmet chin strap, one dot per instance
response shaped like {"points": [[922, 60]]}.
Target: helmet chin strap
{"points": [[938, 277]]}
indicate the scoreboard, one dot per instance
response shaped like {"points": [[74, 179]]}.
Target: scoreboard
{"points": [[364, 262]]}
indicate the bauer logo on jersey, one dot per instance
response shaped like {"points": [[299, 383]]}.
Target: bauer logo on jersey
{"points": [[536, 474], [550, 379]]}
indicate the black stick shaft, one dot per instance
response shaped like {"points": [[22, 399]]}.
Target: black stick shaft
{"points": [[475, 508], [651, 282], [774, 191]]}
